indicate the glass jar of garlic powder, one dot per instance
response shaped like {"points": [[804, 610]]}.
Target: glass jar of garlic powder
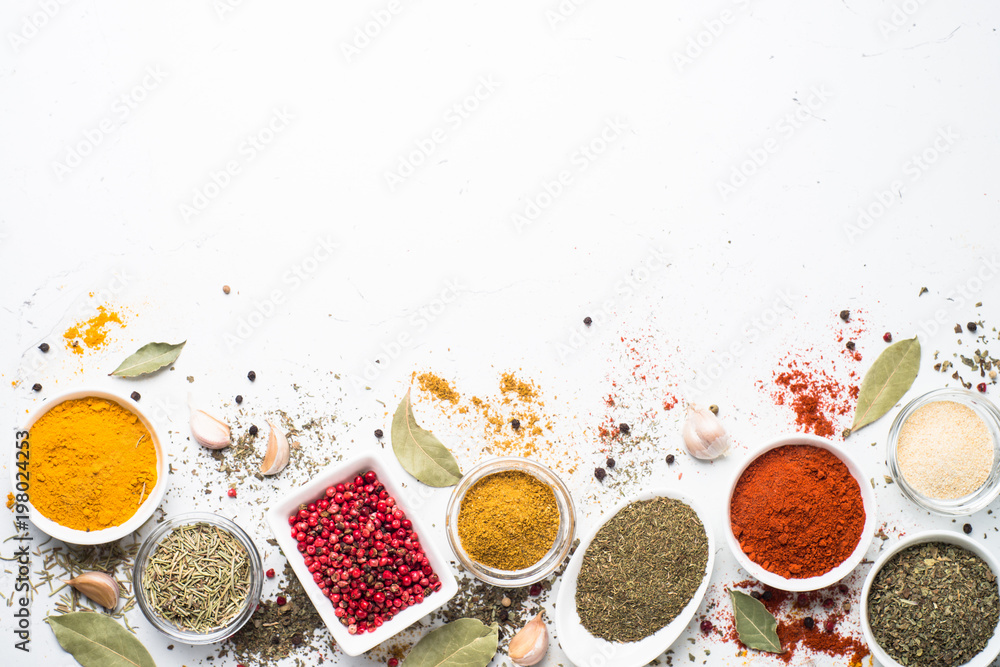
{"points": [[944, 451]]}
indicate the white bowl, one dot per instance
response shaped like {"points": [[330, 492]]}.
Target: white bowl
{"points": [[988, 654], [837, 573], [585, 649], [277, 520], [148, 505]]}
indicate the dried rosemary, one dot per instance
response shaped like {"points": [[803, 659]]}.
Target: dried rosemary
{"points": [[198, 577], [642, 568]]}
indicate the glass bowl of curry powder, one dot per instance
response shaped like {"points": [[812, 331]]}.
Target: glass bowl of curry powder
{"points": [[89, 467], [511, 521]]}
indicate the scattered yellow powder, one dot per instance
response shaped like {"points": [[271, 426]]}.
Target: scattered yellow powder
{"points": [[92, 333], [437, 387], [10, 500]]}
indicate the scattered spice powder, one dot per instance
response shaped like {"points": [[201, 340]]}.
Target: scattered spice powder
{"points": [[10, 500], [815, 396], [91, 333]]}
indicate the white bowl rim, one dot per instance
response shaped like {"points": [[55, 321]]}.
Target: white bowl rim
{"points": [[982, 659], [148, 506], [867, 532], [590, 651], [277, 520]]}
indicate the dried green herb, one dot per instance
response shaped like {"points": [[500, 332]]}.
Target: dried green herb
{"points": [[95, 640], [148, 358], [641, 569], [197, 577], [934, 605], [419, 452], [755, 625], [888, 379]]}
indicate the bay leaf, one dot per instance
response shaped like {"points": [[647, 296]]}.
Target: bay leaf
{"points": [[888, 379], [755, 625], [419, 452], [96, 640], [148, 358], [462, 643]]}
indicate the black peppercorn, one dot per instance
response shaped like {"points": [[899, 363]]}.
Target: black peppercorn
{"points": [[239, 399], [253, 429], [251, 376], [755, 594], [588, 321], [599, 473], [135, 396], [766, 596], [624, 428], [845, 315], [503, 615], [36, 387], [971, 326], [850, 345], [967, 528], [296, 639], [378, 433], [515, 424], [808, 622], [44, 347], [670, 459], [276, 640], [611, 462]]}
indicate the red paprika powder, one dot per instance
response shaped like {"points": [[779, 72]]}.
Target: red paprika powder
{"points": [[797, 511]]}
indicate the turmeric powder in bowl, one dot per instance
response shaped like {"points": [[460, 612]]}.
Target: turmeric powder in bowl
{"points": [[92, 464], [508, 520]]}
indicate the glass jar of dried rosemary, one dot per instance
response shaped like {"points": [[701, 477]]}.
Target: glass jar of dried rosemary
{"points": [[198, 577]]}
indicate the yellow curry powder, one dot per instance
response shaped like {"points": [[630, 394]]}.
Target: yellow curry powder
{"points": [[508, 520], [92, 333], [92, 464]]}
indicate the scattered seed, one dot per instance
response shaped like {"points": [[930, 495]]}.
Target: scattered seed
{"points": [[624, 428], [44, 347], [967, 528], [588, 321], [845, 315], [253, 429], [515, 424], [379, 433], [766, 596], [981, 387], [232, 492], [851, 345], [971, 326], [296, 639], [251, 376], [535, 590], [706, 626], [887, 337], [503, 615], [36, 387], [714, 409], [610, 462], [670, 459], [599, 473], [239, 399], [958, 328], [808, 622], [135, 396], [225, 289], [505, 601], [755, 594]]}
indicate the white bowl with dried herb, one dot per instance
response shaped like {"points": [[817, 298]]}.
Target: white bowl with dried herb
{"points": [[933, 600], [636, 580], [198, 577]]}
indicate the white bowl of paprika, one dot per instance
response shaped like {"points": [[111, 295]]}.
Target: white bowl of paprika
{"points": [[88, 468], [801, 514]]}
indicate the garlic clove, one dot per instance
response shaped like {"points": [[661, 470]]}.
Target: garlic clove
{"points": [[99, 587], [276, 457], [704, 435], [530, 644], [209, 431]]}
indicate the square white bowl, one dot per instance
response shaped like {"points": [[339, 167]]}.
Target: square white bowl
{"points": [[277, 520]]}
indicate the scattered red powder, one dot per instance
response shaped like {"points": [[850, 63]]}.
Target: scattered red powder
{"points": [[815, 396], [670, 402]]}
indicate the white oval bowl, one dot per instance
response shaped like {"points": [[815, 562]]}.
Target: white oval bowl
{"points": [[277, 520], [982, 659], [837, 573], [586, 650], [146, 509]]}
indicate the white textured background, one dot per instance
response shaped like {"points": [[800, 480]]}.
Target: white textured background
{"points": [[739, 140]]}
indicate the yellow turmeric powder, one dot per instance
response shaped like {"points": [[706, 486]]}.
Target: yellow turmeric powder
{"points": [[92, 464], [91, 333]]}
